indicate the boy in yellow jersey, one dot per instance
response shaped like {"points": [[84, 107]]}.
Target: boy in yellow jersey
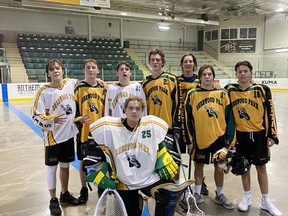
{"points": [[210, 128], [256, 131], [162, 91], [90, 100]]}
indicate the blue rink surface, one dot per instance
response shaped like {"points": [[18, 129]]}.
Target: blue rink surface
{"points": [[38, 131]]}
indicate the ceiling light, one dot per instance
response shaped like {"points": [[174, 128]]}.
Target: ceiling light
{"points": [[161, 27], [279, 10], [281, 50]]}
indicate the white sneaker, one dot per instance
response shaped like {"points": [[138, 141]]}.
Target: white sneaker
{"points": [[245, 204], [266, 204]]}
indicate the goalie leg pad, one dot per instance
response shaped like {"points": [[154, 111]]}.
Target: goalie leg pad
{"points": [[167, 196]]}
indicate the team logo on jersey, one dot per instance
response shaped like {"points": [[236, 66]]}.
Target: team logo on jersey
{"points": [[165, 81], [156, 100], [93, 108], [211, 112], [243, 114], [133, 160], [67, 108], [138, 88]]}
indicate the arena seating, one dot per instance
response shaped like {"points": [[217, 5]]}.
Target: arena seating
{"points": [[36, 50]]}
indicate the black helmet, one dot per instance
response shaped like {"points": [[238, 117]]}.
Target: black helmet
{"points": [[240, 165]]}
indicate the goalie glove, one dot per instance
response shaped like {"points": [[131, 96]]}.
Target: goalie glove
{"points": [[100, 178], [171, 149], [165, 166], [220, 155]]}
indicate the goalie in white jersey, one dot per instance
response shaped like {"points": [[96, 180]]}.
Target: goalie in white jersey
{"points": [[117, 93], [137, 158]]}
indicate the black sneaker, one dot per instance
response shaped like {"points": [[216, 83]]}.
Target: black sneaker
{"points": [[54, 207], [204, 188], [83, 195], [68, 198]]}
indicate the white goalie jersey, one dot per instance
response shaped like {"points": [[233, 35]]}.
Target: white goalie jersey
{"points": [[116, 96], [134, 152], [50, 101]]}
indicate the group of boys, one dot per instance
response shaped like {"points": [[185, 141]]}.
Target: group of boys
{"points": [[64, 107]]}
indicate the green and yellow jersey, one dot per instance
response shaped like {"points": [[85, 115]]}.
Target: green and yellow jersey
{"points": [[209, 116], [162, 95], [253, 109], [89, 100]]}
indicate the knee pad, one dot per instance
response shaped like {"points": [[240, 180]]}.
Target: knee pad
{"points": [[51, 177], [64, 165]]}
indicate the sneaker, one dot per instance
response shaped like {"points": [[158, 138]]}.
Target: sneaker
{"points": [[204, 188], [183, 201], [199, 199], [245, 204], [266, 204], [54, 207], [83, 195], [222, 200], [179, 210], [68, 198]]}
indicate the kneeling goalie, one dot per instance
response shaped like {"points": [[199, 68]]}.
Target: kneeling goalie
{"points": [[136, 159]]}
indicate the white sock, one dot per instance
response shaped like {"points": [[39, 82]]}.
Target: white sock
{"points": [[198, 189], [247, 193], [219, 190]]}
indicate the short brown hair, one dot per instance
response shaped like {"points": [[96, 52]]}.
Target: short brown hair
{"points": [[194, 60], [157, 51], [90, 60], [202, 68], [52, 62], [134, 98], [245, 63], [125, 63]]}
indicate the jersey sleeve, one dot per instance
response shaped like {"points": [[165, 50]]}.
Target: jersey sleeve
{"points": [[107, 102], [189, 128], [270, 117], [230, 128], [176, 109], [39, 116]]}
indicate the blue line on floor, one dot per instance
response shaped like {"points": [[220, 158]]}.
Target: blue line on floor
{"points": [[38, 131]]}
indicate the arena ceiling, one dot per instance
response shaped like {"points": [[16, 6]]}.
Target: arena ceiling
{"points": [[198, 12]]}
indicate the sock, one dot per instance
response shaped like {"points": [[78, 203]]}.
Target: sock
{"points": [[265, 196], [198, 189], [247, 193], [219, 190]]}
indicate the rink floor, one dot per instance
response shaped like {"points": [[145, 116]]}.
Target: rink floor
{"points": [[23, 185]]}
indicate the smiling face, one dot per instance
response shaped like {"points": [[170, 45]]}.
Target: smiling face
{"points": [[187, 65]]}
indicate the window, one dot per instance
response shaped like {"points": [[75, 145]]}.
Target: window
{"points": [[211, 35]]}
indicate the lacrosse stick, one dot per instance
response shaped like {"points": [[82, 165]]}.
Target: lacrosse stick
{"points": [[193, 209], [110, 204]]}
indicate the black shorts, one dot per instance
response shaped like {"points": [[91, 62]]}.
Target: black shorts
{"points": [[81, 148], [253, 146], [62, 152], [204, 155]]}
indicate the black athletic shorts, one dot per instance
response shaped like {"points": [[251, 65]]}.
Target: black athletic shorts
{"points": [[62, 152], [81, 147], [204, 155], [253, 146]]}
